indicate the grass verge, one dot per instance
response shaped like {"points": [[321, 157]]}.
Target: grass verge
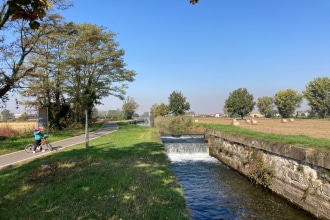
{"points": [[17, 143], [296, 140], [123, 175]]}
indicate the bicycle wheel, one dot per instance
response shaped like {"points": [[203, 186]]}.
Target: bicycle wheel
{"points": [[49, 146], [29, 148]]}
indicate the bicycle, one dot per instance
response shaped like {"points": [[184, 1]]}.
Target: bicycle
{"points": [[45, 145]]}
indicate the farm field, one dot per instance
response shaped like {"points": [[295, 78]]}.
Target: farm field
{"points": [[10, 129], [30, 125], [316, 128]]}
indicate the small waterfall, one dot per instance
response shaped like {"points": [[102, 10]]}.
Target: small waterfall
{"points": [[185, 144], [186, 148]]}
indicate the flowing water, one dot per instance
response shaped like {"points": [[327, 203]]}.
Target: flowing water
{"points": [[215, 191]]}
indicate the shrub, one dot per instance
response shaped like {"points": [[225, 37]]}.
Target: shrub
{"points": [[176, 125], [7, 132]]}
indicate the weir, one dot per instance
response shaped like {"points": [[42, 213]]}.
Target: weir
{"points": [[188, 143], [215, 191]]}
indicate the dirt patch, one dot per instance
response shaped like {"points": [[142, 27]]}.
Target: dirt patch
{"points": [[312, 128]]}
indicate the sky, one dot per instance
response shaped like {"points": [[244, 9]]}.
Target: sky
{"points": [[208, 50]]}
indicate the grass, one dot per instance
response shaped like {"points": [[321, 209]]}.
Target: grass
{"points": [[17, 143], [123, 175], [296, 140]]}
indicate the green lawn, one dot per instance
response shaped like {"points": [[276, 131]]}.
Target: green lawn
{"points": [[122, 175]]}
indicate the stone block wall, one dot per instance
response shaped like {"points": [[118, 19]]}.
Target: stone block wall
{"points": [[301, 175]]}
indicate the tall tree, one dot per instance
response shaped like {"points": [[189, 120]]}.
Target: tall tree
{"points": [[177, 103], [317, 95], [14, 47], [129, 107], [14, 52], [45, 87], [77, 66], [266, 106], [95, 68], [287, 101], [239, 102]]}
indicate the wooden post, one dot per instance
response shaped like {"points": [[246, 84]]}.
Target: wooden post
{"points": [[86, 130]]}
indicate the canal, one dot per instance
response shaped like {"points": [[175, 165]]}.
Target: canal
{"points": [[215, 191]]}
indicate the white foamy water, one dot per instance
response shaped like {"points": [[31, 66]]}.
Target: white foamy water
{"points": [[186, 157]]}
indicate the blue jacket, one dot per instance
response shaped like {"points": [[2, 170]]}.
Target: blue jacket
{"points": [[38, 135]]}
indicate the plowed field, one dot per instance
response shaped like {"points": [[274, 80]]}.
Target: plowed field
{"points": [[312, 128]]}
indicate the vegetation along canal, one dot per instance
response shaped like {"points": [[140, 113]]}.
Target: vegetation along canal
{"points": [[214, 191]]}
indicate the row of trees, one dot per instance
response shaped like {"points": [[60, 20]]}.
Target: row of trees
{"points": [[317, 93], [63, 66], [240, 102]]}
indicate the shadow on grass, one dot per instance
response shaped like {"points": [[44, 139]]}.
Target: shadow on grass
{"points": [[100, 182]]}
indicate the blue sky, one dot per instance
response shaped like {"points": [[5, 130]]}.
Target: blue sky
{"points": [[212, 48]]}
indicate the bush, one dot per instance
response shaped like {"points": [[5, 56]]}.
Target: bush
{"points": [[176, 125], [7, 132]]}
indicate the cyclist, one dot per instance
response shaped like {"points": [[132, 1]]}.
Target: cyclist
{"points": [[38, 135]]}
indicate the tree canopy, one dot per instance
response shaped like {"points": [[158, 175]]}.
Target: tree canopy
{"points": [[287, 101], [177, 103], [266, 106], [239, 102], [129, 107], [317, 95], [75, 67]]}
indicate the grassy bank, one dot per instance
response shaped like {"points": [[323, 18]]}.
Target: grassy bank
{"points": [[296, 140], [17, 143], [123, 175]]}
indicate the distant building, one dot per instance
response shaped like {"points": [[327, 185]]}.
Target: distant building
{"points": [[17, 115], [256, 115]]}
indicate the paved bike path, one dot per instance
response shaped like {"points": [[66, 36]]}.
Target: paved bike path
{"points": [[19, 156]]}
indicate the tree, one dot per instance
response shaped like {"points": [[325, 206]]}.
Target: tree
{"points": [[129, 107], [14, 46], [145, 115], [77, 67], [158, 110], [13, 53], [317, 95], [177, 104], [45, 86], [95, 68], [5, 114], [28, 10], [239, 102], [266, 106], [287, 101]]}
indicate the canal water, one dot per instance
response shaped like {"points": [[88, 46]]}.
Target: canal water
{"points": [[215, 191]]}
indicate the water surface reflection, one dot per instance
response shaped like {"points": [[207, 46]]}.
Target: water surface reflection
{"points": [[214, 191]]}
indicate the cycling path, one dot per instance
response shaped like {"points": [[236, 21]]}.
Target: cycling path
{"points": [[19, 156]]}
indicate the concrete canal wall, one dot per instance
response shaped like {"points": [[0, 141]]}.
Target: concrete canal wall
{"points": [[301, 175]]}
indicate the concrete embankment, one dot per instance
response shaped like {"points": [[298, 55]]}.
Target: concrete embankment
{"points": [[301, 175]]}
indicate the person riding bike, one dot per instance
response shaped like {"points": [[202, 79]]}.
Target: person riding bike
{"points": [[38, 135]]}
